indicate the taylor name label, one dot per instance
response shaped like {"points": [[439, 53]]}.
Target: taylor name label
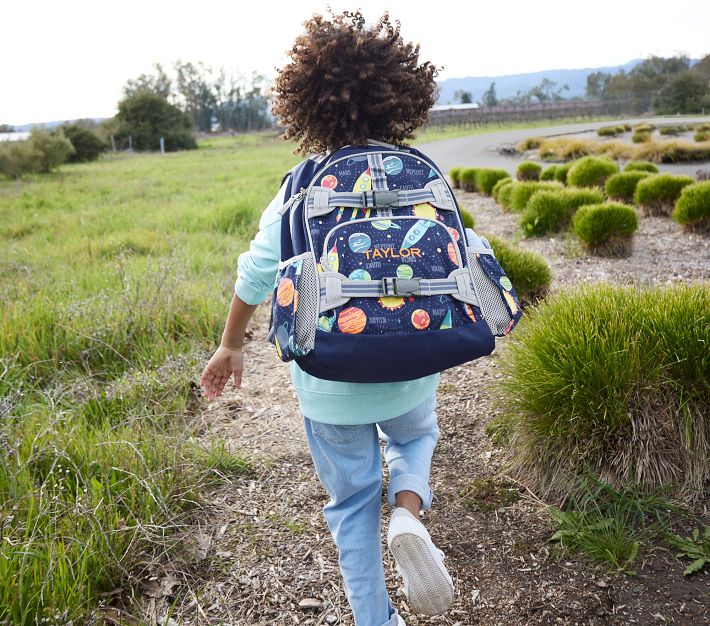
{"points": [[391, 253]]}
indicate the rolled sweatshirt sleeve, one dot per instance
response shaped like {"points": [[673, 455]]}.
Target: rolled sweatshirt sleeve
{"points": [[258, 266]]}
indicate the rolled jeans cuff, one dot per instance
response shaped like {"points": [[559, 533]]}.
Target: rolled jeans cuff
{"points": [[410, 482]]}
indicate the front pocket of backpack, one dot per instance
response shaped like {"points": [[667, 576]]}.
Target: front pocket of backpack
{"points": [[294, 308], [498, 301]]}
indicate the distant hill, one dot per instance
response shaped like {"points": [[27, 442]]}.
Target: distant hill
{"points": [[51, 125], [510, 85]]}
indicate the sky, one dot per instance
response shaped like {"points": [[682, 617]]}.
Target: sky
{"points": [[68, 59]]}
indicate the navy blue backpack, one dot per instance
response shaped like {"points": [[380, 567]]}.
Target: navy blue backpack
{"points": [[379, 281]]}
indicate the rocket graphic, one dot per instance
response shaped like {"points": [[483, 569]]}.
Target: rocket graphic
{"points": [[339, 216], [447, 321], [416, 232], [333, 260], [364, 182], [511, 303]]}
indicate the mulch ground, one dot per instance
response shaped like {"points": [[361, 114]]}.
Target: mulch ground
{"points": [[262, 553]]}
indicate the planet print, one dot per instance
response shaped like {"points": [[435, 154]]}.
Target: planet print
{"points": [[281, 339], [359, 242], [393, 165], [352, 320], [325, 323], [385, 225], [285, 292], [391, 303], [359, 274], [420, 319], [356, 159], [425, 211], [454, 233], [404, 271], [505, 283], [451, 249], [329, 181], [470, 313]]}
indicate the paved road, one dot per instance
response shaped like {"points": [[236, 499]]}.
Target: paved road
{"points": [[482, 150]]}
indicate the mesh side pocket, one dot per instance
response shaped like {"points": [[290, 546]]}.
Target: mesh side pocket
{"points": [[294, 308], [499, 303]]}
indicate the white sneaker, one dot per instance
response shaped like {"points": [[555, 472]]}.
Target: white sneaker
{"points": [[427, 584]]}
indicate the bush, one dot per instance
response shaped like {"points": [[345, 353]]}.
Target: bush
{"points": [[528, 170], [528, 271], [54, 148], [454, 174], [641, 166], [561, 173], [702, 135], [467, 219], [622, 186], [693, 207], [88, 146], [146, 117], [622, 128], [670, 130], [704, 126], [591, 172], [486, 179], [467, 179], [608, 131], [644, 128], [611, 381], [605, 229], [549, 173], [641, 136], [505, 194], [501, 183], [521, 193], [657, 194], [531, 143], [551, 211], [41, 153], [673, 151]]}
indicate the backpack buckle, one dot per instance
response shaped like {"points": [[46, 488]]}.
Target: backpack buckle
{"points": [[401, 287], [382, 198]]}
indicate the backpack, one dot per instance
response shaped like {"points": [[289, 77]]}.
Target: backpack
{"points": [[379, 281]]}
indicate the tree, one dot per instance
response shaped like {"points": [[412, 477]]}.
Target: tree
{"points": [[158, 83], [702, 67], [463, 97], [146, 117], [688, 92], [55, 148], [596, 82], [6, 128], [88, 146], [489, 96]]}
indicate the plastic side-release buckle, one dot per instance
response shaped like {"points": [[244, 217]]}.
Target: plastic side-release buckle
{"points": [[381, 199], [401, 286]]}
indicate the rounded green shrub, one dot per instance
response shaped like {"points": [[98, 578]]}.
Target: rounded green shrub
{"points": [[641, 136], [487, 178], [670, 130], [607, 131], [505, 194], [605, 229], [591, 369], [467, 178], [88, 146], [562, 171], [702, 135], [501, 183], [454, 174], [644, 128], [549, 173], [551, 211], [622, 128], [703, 126], [528, 170], [641, 166], [522, 191], [468, 219], [528, 271], [693, 207], [622, 186], [591, 171], [657, 194]]}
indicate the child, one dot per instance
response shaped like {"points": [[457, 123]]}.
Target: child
{"points": [[351, 85]]}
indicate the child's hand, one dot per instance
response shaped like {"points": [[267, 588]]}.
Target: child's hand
{"points": [[224, 362]]}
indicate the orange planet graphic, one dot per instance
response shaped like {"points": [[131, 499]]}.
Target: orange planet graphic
{"points": [[284, 294], [451, 249], [352, 320], [391, 303], [329, 181], [454, 232], [420, 319], [470, 312], [295, 301], [425, 211]]}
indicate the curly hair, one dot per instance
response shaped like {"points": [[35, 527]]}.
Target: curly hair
{"points": [[346, 83]]}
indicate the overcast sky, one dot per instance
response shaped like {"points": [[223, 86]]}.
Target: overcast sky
{"points": [[69, 59]]}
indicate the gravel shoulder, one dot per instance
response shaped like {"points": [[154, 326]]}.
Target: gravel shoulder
{"points": [[262, 553]]}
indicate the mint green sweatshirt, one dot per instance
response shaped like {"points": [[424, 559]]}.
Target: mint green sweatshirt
{"points": [[321, 400]]}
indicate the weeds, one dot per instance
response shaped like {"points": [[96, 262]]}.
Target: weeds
{"points": [[696, 548]]}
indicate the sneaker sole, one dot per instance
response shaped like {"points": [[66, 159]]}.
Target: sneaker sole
{"points": [[430, 591]]}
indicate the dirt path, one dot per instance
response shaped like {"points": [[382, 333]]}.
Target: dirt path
{"points": [[264, 555]]}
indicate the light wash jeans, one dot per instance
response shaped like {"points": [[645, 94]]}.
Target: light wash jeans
{"points": [[349, 465]]}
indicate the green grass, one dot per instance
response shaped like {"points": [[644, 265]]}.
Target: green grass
{"points": [[622, 186], [551, 211], [527, 270], [606, 229], [614, 381], [657, 195], [591, 171], [693, 207], [521, 192], [115, 278]]}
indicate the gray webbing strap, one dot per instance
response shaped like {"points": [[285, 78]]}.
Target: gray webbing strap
{"points": [[322, 200], [336, 289], [377, 171]]}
